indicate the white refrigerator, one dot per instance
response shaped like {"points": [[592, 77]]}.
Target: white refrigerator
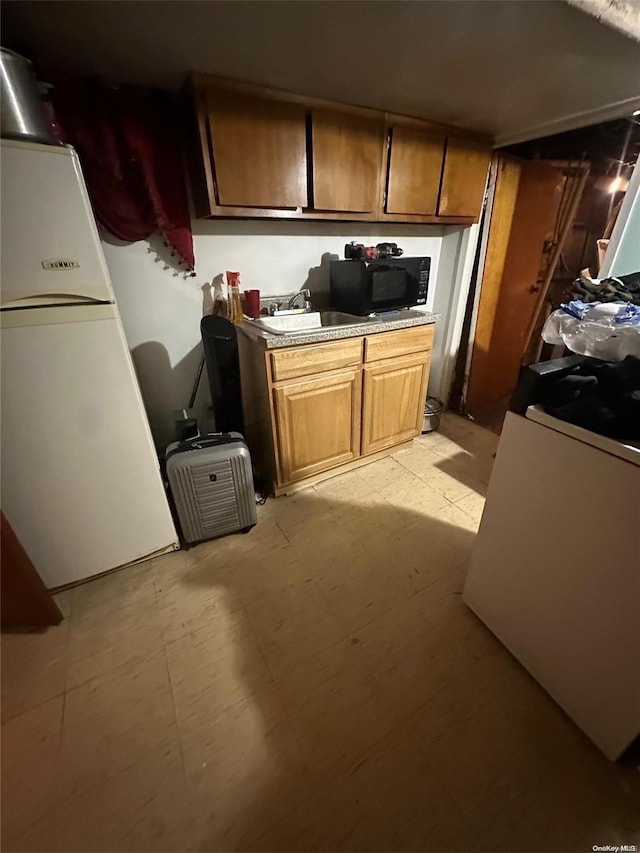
{"points": [[81, 484]]}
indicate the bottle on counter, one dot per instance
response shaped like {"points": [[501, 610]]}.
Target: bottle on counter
{"points": [[220, 300], [233, 280]]}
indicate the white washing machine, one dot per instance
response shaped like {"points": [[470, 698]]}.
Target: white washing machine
{"points": [[555, 571]]}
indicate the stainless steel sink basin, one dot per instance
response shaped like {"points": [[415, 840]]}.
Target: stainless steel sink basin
{"points": [[337, 318], [292, 324]]}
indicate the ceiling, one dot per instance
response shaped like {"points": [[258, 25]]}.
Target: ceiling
{"points": [[517, 70], [606, 145]]}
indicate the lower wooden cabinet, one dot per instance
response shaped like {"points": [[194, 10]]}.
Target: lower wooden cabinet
{"points": [[318, 423], [315, 409], [393, 401]]}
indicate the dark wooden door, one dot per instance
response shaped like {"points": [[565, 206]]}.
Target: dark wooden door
{"points": [[524, 203]]}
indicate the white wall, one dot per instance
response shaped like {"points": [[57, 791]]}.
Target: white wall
{"points": [[457, 253], [623, 252], [161, 309]]}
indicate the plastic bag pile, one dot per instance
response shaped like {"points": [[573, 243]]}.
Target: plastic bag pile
{"points": [[607, 330]]}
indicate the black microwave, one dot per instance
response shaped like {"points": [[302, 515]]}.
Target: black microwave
{"points": [[371, 287]]}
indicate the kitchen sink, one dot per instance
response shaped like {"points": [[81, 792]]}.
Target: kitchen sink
{"points": [[291, 324], [338, 318]]}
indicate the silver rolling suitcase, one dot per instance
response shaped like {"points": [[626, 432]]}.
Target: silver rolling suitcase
{"points": [[212, 485]]}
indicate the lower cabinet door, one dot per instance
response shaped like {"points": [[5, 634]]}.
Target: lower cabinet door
{"points": [[318, 423], [393, 404]]}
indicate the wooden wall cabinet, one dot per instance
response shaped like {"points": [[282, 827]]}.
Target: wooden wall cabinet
{"points": [[258, 147], [464, 178], [365, 397], [347, 151], [265, 153], [416, 156]]}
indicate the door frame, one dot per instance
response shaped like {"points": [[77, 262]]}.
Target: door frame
{"points": [[493, 245]]}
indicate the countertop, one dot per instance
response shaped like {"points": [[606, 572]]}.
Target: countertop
{"points": [[404, 320]]}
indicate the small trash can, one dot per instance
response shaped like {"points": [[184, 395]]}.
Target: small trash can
{"points": [[432, 410]]}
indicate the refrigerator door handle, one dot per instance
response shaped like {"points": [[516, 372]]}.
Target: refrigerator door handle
{"points": [[43, 300]]}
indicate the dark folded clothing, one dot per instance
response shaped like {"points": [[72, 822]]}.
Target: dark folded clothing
{"points": [[623, 288], [601, 396]]}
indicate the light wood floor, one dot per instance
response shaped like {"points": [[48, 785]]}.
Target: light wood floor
{"points": [[317, 684]]}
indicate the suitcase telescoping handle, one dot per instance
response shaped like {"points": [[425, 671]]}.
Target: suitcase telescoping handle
{"points": [[199, 442]]}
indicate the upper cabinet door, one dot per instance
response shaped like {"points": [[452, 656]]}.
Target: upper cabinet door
{"points": [[261, 152], [463, 181], [415, 167], [347, 157], [259, 149]]}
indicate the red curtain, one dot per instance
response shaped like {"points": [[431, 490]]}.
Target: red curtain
{"points": [[129, 145]]}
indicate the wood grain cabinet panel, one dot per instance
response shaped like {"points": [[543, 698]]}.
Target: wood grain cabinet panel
{"points": [[402, 342], [466, 165], [259, 149], [314, 409], [315, 358], [265, 153], [318, 423], [347, 156], [394, 392], [415, 168]]}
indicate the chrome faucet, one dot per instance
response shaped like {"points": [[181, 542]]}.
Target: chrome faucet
{"points": [[293, 304], [306, 295]]}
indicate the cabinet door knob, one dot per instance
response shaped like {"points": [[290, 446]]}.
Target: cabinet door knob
{"points": [[534, 288]]}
